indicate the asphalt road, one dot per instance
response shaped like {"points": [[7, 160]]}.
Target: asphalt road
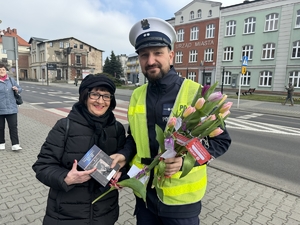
{"points": [[265, 147]]}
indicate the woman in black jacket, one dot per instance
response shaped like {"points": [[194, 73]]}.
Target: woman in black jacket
{"points": [[72, 190]]}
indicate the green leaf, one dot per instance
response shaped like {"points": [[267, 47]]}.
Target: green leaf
{"points": [[197, 96], [160, 137], [188, 164], [136, 185]]}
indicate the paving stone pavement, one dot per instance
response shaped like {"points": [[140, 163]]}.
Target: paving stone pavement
{"points": [[229, 199]]}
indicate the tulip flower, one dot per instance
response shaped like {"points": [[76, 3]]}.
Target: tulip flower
{"points": [[223, 99], [226, 107], [171, 122], [211, 117], [204, 89], [188, 111], [216, 96], [199, 104], [216, 132], [224, 114]]}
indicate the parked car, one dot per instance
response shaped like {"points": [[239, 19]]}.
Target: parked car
{"points": [[129, 82]]}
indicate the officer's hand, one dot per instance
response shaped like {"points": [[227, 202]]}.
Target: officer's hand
{"points": [[173, 165], [118, 158], [77, 177]]}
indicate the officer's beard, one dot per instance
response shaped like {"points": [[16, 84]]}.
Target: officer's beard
{"points": [[152, 77]]}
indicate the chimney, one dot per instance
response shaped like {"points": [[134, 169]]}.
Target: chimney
{"points": [[14, 31]]}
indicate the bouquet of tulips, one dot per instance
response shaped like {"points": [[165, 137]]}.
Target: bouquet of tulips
{"points": [[186, 135]]}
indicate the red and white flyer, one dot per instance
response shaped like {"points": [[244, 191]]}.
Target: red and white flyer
{"points": [[198, 151]]}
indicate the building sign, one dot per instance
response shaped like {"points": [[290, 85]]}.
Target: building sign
{"points": [[51, 66], [195, 44]]}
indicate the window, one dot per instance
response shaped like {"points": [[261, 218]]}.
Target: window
{"points": [[75, 45], [61, 44], [228, 54], [298, 18], [181, 19], [78, 73], [81, 46], [268, 51], [247, 51], [230, 28], [210, 31], [227, 78], [191, 76], [294, 78], [194, 33], [178, 58], [180, 35], [67, 45], [209, 55], [199, 13], [296, 50], [78, 59], [249, 26], [210, 13], [271, 22], [265, 79], [193, 56], [192, 15], [246, 79], [50, 44]]}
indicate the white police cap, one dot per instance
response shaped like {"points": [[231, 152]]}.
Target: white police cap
{"points": [[152, 32]]}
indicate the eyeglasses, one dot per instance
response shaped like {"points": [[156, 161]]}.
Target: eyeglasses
{"points": [[96, 96]]}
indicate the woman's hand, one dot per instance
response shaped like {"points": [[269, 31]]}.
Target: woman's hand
{"points": [[77, 177], [15, 89], [118, 158]]}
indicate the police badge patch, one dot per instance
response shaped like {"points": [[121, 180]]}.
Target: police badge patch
{"points": [[145, 24]]}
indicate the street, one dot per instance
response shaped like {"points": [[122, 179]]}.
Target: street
{"points": [[264, 147]]}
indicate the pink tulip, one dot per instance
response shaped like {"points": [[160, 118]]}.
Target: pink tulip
{"points": [[216, 132], [226, 107], [172, 122], [211, 117], [188, 111], [224, 114], [199, 104], [216, 96]]}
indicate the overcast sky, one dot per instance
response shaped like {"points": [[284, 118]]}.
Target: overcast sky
{"points": [[104, 24]]}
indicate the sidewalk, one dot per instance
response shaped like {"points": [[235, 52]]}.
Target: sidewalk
{"points": [[229, 199]]}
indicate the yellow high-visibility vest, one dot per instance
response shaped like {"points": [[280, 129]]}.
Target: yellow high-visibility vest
{"points": [[174, 190]]}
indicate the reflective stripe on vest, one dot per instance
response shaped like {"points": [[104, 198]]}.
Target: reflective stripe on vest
{"points": [[174, 191]]}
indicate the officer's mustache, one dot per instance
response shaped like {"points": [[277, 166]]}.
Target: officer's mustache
{"points": [[152, 66]]}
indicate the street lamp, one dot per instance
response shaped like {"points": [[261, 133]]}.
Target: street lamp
{"points": [[223, 73], [203, 72]]}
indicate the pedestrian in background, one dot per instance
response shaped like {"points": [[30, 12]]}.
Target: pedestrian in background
{"points": [[72, 190], [290, 92], [8, 109], [151, 105], [76, 81]]}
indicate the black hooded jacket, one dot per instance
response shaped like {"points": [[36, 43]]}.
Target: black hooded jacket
{"points": [[72, 205]]}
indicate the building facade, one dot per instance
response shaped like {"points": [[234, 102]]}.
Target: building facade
{"points": [[197, 27], [23, 56], [63, 59], [268, 33], [134, 71]]}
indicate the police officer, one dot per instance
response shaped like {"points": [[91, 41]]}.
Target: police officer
{"points": [[178, 201]]}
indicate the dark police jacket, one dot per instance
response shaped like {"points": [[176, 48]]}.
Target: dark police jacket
{"points": [[160, 100], [72, 205]]}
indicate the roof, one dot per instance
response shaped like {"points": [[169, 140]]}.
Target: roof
{"points": [[13, 33], [42, 40]]}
